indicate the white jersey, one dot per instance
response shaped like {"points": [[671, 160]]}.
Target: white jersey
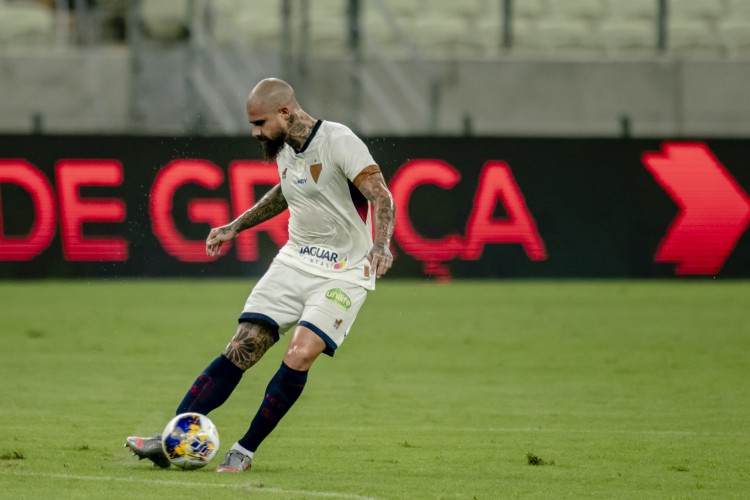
{"points": [[330, 232]]}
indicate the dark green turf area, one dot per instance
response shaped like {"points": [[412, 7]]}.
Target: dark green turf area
{"points": [[613, 389]]}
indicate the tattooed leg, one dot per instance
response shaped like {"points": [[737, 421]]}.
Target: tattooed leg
{"points": [[249, 344], [212, 387]]}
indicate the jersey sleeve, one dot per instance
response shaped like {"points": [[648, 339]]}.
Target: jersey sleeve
{"points": [[350, 154]]}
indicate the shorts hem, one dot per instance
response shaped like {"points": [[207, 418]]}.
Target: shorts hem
{"points": [[247, 316], [331, 346]]}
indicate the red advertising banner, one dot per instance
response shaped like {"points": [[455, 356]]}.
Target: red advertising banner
{"points": [[83, 206]]}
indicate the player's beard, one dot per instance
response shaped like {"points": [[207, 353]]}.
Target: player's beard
{"points": [[271, 147]]}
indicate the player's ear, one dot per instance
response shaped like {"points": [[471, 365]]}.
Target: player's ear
{"points": [[285, 113]]}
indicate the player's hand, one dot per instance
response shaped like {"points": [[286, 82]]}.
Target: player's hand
{"points": [[380, 258], [217, 237]]}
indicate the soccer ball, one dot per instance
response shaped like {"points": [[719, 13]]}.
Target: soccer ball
{"points": [[190, 441]]}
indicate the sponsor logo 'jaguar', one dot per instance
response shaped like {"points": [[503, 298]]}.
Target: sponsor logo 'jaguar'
{"points": [[320, 253], [338, 297]]}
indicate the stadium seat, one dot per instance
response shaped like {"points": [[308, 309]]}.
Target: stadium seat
{"points": [[262, 9], [264, 13], [263, 36], [379, 37], [692, 37], [402, 8], [700, 10], [328, 37], [332, 8], [633, 37], [441, 36], [328, 26], [735, 34], [471, 10], [738, 9], [632, 9], [525, 36], [165, 20], [530, 9], [255, 23], [487, 36], [25, 24], [577, 9], [568, 35]]}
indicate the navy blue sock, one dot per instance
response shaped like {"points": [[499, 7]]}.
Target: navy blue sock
{"points": [[281, 393], [212, 387]]}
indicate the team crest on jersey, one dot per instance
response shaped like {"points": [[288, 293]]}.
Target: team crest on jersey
{"points": [[315, 171]]}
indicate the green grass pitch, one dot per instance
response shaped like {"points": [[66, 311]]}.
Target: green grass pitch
{"points": [[520, 389]]}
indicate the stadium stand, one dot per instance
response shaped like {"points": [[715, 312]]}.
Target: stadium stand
{"points": [[632, 10], [328, 27], [26, 24], [165, 20], [629, 28], [628, 37], [700, 10], [257, 24], [738, 9], [693, 27], [735, 35], [735, 28], [529, 9], [434, 29], [468, 10], [587, 10], [439, 29], [441, 36], [408, 44], [568, 35], [693, 38]]}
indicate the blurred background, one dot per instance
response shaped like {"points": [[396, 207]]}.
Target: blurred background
{"points": [[520, 138], [606, 68]]}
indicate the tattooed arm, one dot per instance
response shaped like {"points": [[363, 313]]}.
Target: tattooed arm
{"points": [[271, 205], [371, 183]]}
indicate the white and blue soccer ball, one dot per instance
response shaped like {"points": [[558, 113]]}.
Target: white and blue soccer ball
{"points": [[190, 441]]}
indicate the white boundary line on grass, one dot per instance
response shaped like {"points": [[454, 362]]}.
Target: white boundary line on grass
{"points": [[548, 430], [190, 484]]}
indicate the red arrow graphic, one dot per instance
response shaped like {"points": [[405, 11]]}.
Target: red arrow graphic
{"points": [[714, 210]]}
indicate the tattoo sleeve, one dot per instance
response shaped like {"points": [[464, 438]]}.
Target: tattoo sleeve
{"points": [[271, 205], [371, 183]]}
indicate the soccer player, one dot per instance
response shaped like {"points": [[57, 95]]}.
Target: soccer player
{"points": [[319, 279]]}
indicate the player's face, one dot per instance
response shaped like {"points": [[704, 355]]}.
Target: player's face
{"points": [[269, 127]]}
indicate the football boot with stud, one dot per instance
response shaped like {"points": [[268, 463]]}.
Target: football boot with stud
{"points": [[148, 447], [235, 461]]}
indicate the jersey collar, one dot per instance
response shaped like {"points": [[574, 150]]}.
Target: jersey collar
{"points": [[310, 137]]}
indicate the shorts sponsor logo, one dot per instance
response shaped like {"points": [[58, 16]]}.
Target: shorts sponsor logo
{"points": [[338, 297], [337, 323]]}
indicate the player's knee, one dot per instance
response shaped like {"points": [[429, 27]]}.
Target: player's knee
{"points": [[301, 355], [250, 343], [300, 360]]}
